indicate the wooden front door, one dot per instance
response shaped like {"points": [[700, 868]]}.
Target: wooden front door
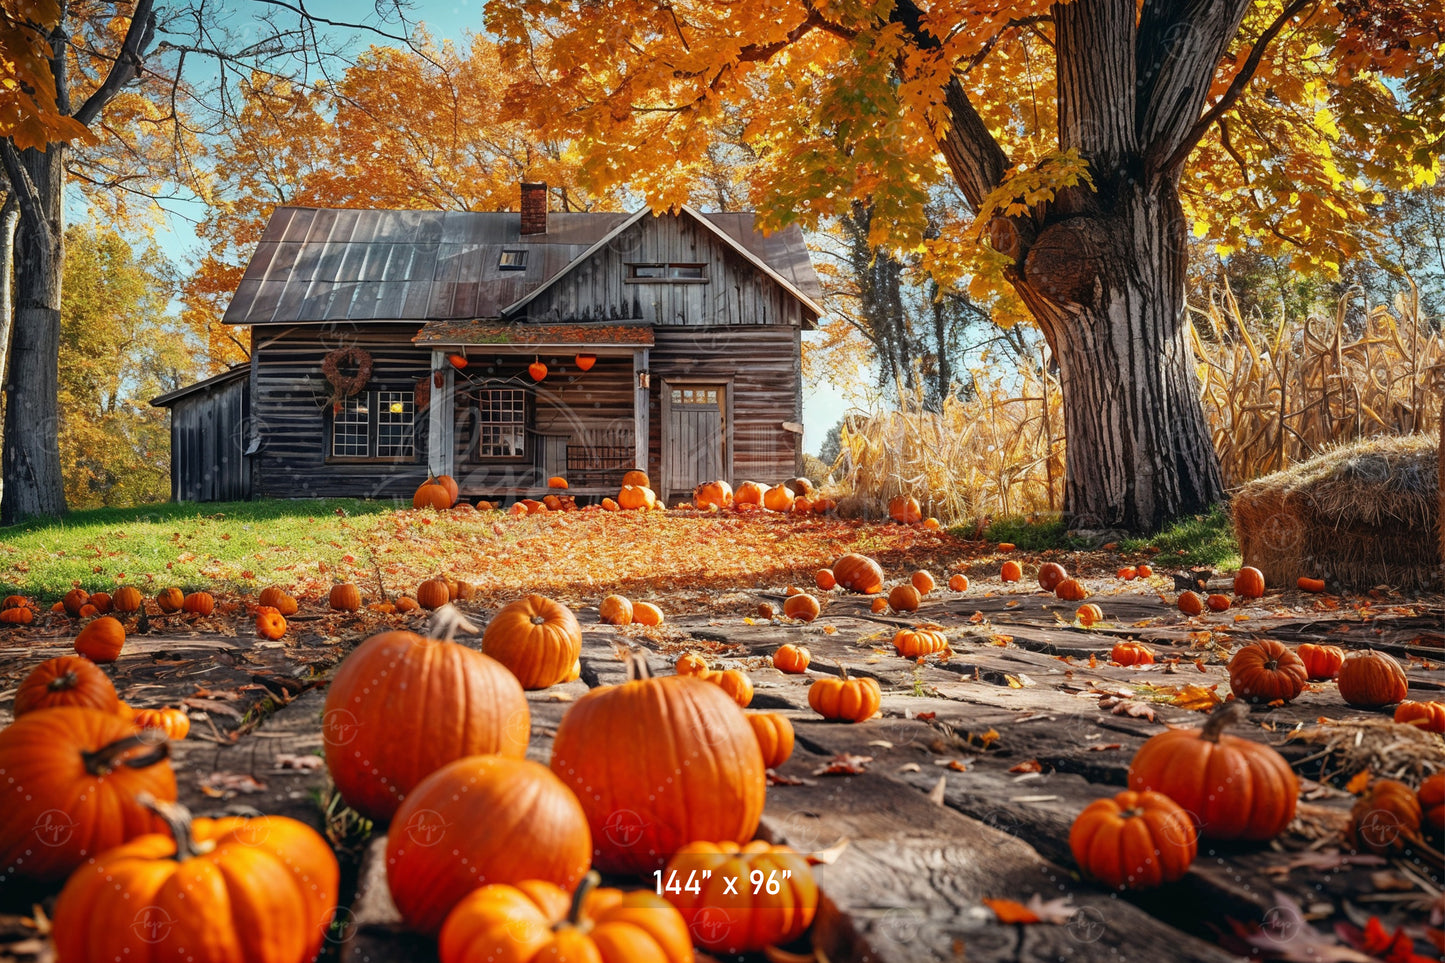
{"points": [[694, 435]]}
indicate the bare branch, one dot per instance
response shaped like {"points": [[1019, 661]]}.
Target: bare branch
{"points": [[127, 65]]}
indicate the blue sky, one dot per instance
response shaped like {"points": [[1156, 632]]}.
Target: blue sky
{"points": [[823, 404]]}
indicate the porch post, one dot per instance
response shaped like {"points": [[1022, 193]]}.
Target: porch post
{"points": [[640, 394], [439, 417]]}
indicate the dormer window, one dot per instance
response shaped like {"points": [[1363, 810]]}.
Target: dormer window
{"points": [[513, 260], [666, 272]]}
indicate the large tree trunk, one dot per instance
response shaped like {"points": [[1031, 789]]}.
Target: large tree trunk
{"points": [[1108, 291], [31, 462]]}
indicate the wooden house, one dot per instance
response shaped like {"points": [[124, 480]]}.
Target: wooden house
{"points": [[389, 345]]}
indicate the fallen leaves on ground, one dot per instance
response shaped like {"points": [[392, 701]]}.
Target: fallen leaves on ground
{"points": [[844, 764], [1055, 911]]}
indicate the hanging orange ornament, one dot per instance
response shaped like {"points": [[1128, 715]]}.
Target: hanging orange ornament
{"points": [[459, 361], [586, 361], [537, 370]]}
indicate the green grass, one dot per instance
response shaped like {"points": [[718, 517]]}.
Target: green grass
{"points": [[1032, 534], [1205, 540], [230, 543]]}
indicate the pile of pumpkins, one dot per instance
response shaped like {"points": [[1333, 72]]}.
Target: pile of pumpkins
{"points": [[491, 853], [796, 495]]}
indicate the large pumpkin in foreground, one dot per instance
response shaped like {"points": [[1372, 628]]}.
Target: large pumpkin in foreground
{"points": [[401, 707], [66, 680], [211, 891], [1232, 788], [658, 763], [535, 637], [481, 820], [68, 782]]}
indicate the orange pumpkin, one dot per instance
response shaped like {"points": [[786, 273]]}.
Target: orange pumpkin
{"points": [[1011, 571], [858, 573], [1321, 661], [101, 639], [66, 680], [173, 722], [1370, 679], [171, 599], [919, 641], [535, 637], [1190, 603], [406, 603], [429, 494], [903, 598], [779, 498], [71, 780], [270, 624], [453, 490], [1429, 716], [480, 820], [101, 602], [1249, 583], [1144, 571], [87, 611], [1306, 584], [802, 607], [615, 610], [1386, 818], [557, 481], [645, 613], [636, 497], [19, 615], [1432, 803], [1131, 653], [879, 604], [637, 477], [1265, 671], [923, 581], [1135, 840], [749, 493], [1128, 573], [199, 603], [792, 659], [433, 593], [608, 505], [1089, 614], [536, 922], [74, 600], [344, 597], [775, 737], [824, 505], [552, 502], [270, 884], [845, 698], [126, 599], [713, 494], [802, 505], [1050, 575], [727, 919], [1217, 602], [736, 684], [825, 578], [958, 583], [276, 598], [905, 509], [691, 664], [765, 610], [1071, 590], [642, 754]]}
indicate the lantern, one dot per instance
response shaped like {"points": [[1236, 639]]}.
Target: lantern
{"points": [[586, 361], [459, 361], [537, 370]]}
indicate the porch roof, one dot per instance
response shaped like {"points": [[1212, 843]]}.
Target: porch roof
{"points": [[529, 335]]}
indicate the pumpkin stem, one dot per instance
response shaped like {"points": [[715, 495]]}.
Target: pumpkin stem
{"points": [[104, 760], [1226, 714], [67, 681], [177, 819], [579, 897]]}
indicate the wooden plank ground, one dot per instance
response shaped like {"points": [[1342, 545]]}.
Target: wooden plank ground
{"points": [[977, 766]]}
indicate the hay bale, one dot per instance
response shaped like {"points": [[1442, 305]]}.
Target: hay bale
{"points": [[1360, 515]]}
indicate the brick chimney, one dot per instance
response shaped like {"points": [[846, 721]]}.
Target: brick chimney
{"points": [[534, 208]]}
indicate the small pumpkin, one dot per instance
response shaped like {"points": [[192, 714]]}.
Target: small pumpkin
{"points": [[615, 610], [1134, 840], [1249, 583], [1131, 653], [858, 573], [1217, 602], [535, 922], [905, 509], [1145, 571], [433, 593], [276, 598], [406, 603], [1307, 584], [173, 722], [71, 778], [270, 885], [127, 598], [429, 494], [792, 659], [1089, 614], [920, 641], [170, 599], [19, 615], [713, 494], [923, 581], [344, 597], [1190, 603], [633, 497], [903, 598], [102, 602], [1371, 679], [1266, 671], [1322, 662], [66, 680], [765, 610], [878, 605], [646, 613], [74, 600], [958, 583], [199, 603], [691, 663], [775, 737], [88, 611], [736, 684], [270, 624], [1011, 571], [802, 607], [1128, 573], [824, 505], [779, 498], [558, 482], [15, 601], [845, 698], [638, 478], [481, 820], [1071, 590], [1432, 803], [1386, 818], [749, 493], [535, 637], [727, 919], [825, 579], [1050, 575], [609, 505], [1232, 788], [101, 640], [1429, 716]]}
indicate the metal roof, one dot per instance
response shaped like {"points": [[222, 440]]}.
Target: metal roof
{"points": [[438, 333], [322, 264]]}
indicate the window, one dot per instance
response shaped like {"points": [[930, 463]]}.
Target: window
{"points": [[513, 260], [667, 272], [694, 396], [374, 424], [503, 422]]}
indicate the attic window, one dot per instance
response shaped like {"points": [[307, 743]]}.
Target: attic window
{"points": [[666, 272], [513, 260]]}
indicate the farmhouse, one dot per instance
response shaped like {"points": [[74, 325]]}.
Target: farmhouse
{"points": [[503, 349]]}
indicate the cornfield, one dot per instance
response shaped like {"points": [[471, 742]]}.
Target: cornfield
{"points": [[1271, 401]]}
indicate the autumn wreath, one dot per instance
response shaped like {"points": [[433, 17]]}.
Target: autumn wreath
{"points": [[343, 386]]}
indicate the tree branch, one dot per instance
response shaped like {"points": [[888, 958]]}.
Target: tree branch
{"points": [[23, 188], [127, 65], [1236, 86]]}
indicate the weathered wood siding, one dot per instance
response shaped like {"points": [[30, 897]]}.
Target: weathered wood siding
{"points": [[735, 292], [291, 419], [590, 411], [762, 366], [208, 444]]}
